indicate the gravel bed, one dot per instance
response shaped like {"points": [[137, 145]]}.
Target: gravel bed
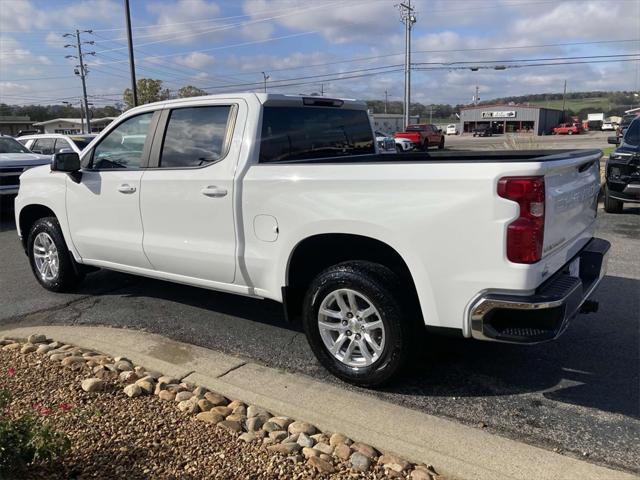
{"points": [[115, 434]]}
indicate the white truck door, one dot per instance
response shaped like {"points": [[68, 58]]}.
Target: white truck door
{"points": [[187, 193], [103, 208]]}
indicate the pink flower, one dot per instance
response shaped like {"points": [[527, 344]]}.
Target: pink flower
{"points": [[11, 372], [65, 407], [44, 411]]}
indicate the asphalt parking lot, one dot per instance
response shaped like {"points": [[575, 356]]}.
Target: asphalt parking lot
{"points": [[579, 395]]}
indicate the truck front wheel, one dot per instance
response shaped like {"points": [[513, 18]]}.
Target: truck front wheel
{"points": [[353, 319], [611, 205], [50, 259]]}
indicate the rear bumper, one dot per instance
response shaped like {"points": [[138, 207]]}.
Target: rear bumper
{"points": [[544, 315]]}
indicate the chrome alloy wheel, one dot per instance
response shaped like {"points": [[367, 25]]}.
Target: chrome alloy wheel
{"points": [[351, 328], [46, 257]]}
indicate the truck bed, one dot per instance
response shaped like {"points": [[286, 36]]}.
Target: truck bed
{"points": [[503, 156]]}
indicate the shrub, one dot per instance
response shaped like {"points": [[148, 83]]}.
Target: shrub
{"points": [[26, 440]]}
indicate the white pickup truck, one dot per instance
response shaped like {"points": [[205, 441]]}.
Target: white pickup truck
{"points": [[286, 198]]}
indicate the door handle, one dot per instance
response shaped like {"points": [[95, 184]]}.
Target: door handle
{"points": [[126, 188], [213, 191]]}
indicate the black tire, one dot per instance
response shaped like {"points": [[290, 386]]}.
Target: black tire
{"points": [[425, 145], [441, 144], [382, 288], [399, 149], [611, 205], [69, 273]]}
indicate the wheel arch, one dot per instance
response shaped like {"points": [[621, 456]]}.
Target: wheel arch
{"points": [[317, 252]]}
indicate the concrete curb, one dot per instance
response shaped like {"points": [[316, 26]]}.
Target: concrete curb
{"points": [[456, 450]]}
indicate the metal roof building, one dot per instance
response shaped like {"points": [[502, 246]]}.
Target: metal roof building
{"points": [[510, 118]]}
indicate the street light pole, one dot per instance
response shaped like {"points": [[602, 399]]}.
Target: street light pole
{"points": [[266, 77], [132, 65], [408, 18], [386, 99]]}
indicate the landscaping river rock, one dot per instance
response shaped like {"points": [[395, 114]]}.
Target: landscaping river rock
{"points": [[126, 422]]}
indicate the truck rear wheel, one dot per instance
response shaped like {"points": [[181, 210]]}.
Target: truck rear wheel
{"points": [[441, 144], [611, 205], [353, 319], [49, 256]]}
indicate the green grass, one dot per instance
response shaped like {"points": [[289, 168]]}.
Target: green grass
{"points": [[607, 150]]}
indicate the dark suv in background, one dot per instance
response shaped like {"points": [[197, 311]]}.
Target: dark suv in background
{"points": [[623, 170]]}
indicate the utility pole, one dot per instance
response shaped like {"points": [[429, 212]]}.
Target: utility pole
{"points": [[81, 70], [322, 89], [409, 19], [476, 98], [564, 96], [266, 77], [132, 64], [431, 114], [386, 100]]}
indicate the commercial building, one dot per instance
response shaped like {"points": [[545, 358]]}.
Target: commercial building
{"points": [[71, 126], [510, 119], [11, 125]]}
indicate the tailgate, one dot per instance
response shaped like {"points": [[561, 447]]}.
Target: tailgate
{"points": [[572, 187], [413, 136]]}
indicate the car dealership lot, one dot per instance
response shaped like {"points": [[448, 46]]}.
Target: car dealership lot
{"points": [[527, 142], [579, 395]]}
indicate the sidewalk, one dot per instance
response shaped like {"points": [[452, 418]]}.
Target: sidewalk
{"points": [[456, 450]]}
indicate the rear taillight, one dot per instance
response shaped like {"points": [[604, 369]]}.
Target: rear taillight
{"points": [[525, 235]]}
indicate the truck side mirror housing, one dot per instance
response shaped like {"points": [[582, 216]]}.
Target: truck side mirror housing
{"points": [[613, 140], [68, 162]]}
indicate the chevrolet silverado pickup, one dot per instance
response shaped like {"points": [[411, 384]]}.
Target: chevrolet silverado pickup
{"points": [[423, 136], [286, 198]]}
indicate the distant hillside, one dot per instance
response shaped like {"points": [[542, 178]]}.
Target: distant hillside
{"points": [[578, 103]]}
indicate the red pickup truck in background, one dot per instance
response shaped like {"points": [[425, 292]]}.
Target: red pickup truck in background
{"points": [[568, 129], [423, 135]]}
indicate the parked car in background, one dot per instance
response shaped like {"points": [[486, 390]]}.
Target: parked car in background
{"points": [[622, 171], [284, 197], [386, 143], [50, 143], [31, 131], [568, 129], [452, 129], [404, 145], [15, 158], [606, 125], [423, 136], [482, 131]]}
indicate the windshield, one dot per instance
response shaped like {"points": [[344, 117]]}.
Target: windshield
{"points": [[414, 128], [9, 145], [382, 134], [81, 142], [626, 120]]}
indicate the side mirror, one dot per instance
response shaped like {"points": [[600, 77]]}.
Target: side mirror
{"points": [[68, 162], [613, 140]]}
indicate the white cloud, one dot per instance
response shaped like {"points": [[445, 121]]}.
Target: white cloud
{"points": [[21, 16], [196, 60], [184, 21], [12, 53]]}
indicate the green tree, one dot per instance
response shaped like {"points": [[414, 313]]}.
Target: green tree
{"points": [[149, 90], [190, 91]]}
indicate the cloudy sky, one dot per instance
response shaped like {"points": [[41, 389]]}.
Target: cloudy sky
{"points": [[347, 48]]}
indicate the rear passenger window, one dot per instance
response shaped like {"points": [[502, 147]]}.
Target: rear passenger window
{"points": [[62, 144], [44, 146], [298, 133], [195, 136]]}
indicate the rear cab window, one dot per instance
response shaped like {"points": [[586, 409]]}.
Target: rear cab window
{"points": [[292, 133]]}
